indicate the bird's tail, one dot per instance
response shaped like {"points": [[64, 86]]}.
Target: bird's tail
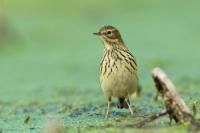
{"points": [[122, 103]]}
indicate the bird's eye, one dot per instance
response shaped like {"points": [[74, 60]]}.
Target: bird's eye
{"points": [[109, 32]]}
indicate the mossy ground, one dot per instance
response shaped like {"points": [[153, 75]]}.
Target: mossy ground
{"points": [[49, 62]]}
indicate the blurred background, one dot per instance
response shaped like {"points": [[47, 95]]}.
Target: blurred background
{"points": [[48, 53]]}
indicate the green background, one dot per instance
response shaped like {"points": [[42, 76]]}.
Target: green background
{"points": [[49, 61]]}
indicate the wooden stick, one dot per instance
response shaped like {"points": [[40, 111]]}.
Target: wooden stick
{"points": [[174, 104], [150, 118], [177, 109]]}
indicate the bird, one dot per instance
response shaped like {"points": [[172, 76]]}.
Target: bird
{"points": [[118, 69]]}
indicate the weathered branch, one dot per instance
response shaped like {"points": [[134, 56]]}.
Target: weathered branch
{"points": [[150, 118], [174, 103], [175, 106]]}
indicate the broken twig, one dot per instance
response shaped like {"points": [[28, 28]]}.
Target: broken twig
{"points": [[175, 106], [150, 118]]}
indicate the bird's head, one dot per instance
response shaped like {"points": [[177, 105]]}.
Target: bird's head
{"points": [[110, 36]]}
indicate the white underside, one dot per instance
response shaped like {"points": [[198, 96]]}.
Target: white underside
{"points": [[119, 83]]}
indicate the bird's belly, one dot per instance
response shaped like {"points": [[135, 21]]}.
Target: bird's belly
{"points": [[120, 83]]}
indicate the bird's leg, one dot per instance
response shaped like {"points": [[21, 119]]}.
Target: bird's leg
{"points": [[108, 107], [130, 109]]}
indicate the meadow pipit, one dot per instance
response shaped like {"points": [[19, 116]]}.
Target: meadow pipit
{"points": [[118, 68]]}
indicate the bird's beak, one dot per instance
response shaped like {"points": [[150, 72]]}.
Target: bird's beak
{"points": [[98, 33]]}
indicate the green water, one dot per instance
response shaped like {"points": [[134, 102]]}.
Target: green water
{"points": [[49, 61]]}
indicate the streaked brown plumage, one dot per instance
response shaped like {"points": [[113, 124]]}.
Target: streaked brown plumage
{"points": [[118, 68]]}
